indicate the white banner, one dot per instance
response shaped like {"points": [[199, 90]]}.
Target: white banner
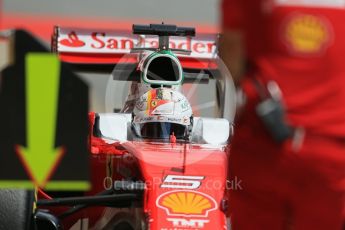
{"points": [[108, 42]]}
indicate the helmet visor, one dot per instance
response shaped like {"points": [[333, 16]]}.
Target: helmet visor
{"points": [[162, 130]]}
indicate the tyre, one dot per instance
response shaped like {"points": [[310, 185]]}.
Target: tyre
{"points": [[16, 209]]}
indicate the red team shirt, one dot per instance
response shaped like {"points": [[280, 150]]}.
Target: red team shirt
{"points": [[301, 45]]}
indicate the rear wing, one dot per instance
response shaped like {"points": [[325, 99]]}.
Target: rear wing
{"points": [[100, 47]]}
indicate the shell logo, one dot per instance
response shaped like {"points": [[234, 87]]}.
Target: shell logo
{"points": [[186, 203], [307, 34]]}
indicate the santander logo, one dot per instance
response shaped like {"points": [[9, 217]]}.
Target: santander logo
{"points": [[72, 40], [112, 42]]}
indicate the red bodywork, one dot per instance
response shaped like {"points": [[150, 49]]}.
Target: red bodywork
{"points": [[158, 161], [185, 184]]}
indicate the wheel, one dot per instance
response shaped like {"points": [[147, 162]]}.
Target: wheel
{"points": [[16, 209]]}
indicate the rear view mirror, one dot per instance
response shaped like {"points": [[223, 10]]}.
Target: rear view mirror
{"points": [[108, 128], [213, 131]]}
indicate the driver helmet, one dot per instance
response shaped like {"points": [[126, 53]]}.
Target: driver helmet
{"points": [[161, 113]]}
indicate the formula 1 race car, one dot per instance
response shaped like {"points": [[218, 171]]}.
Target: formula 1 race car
{"points": [[154, 163]]}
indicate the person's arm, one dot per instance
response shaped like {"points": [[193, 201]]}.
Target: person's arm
{"points": [[232, 48]]}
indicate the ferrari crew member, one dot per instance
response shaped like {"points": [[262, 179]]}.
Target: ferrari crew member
{"points": [[297, 182]]}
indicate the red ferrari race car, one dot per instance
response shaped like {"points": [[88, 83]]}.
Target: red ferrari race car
{"points": [[155, 164]]}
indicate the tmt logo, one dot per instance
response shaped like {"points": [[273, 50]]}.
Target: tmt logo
{"points": [[184, 223]]}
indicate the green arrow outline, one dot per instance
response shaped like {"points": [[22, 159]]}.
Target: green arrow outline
{"points": [[50, 185], [42, 84]]}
